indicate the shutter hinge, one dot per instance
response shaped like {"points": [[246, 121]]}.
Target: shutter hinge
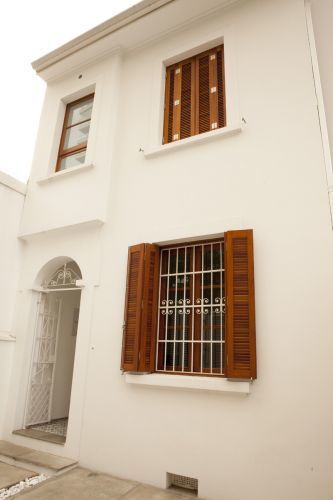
{"points": [[124, 325]]}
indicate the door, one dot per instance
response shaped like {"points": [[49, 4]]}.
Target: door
{"points": [[43, 359]]}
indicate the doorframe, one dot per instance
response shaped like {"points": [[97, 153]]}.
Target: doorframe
{"points": [[45, 291]]}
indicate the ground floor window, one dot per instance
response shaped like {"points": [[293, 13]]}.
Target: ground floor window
{"points": [[191, 328]]}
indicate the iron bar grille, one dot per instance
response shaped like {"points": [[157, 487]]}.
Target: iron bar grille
{"points": [[191, 309]]}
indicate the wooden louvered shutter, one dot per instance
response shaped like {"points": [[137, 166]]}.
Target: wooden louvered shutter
{"points": [[195, 96], [210, 91], [179, 110], [240, 314], [139, 338]]}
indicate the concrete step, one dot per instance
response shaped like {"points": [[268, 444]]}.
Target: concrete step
{"points": [[42, 462]]}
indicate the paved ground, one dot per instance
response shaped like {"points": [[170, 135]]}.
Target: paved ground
{"points": [[83, 484], [10, 475]]}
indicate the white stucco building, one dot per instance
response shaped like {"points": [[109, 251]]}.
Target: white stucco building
{"points": [[191, 120]]}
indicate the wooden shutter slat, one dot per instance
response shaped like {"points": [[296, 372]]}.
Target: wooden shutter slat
{"points": [[176, 107], [222, 120], [213, 95], [133, 303], [149, 316], [240, 315], [202, 94], [187, 101]]}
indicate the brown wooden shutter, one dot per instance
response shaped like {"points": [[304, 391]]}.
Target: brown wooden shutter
{"points": [[179, 110], [139, 338], [240, 315]]}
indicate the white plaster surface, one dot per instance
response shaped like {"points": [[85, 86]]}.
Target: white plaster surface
{"points": [[277, 442]]}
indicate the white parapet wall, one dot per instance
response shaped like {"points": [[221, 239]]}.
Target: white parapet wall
{"points": [[12, 193]]}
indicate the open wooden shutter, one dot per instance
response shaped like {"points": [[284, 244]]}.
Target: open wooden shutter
{"points": [[210, 91], [139, 338], [240, 314], [179, 109]]}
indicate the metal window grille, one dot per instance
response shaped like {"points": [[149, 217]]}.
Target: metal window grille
{"points": [[191, 309]]}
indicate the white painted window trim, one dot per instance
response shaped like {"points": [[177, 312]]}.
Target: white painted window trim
{"points": [[320, 104], [75, 91], [210, 384], [154, 144], [66, 173], [195, 139]]}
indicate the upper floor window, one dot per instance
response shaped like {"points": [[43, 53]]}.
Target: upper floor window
{"points": [[74, 138], [195, 96]]}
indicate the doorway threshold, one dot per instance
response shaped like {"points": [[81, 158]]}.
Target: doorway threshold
{"points": [[54, 431], [41, 435]]}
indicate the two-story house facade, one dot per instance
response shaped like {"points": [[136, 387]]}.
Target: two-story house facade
{"points": [[181, 174]]}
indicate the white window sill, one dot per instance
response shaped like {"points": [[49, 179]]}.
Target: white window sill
{"points": [[65, 173], [195, 139], [215, 384], [7, 337]]}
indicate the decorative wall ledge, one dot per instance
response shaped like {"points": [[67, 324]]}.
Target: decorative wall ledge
{"points": [[65, 173], [215, 384], [85, 224], [195, 139], [7, 337]]}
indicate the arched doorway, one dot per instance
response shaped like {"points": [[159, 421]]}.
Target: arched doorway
{"points": [[51, 371]]}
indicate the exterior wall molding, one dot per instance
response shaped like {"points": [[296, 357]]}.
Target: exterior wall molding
{"points": [[91, 223], [214, 384], [7, 337], [65, 173], [12, 183], [320, 105]]}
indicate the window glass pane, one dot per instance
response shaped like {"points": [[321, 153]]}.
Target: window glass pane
{"points": [[165, 258], [77, 135], [80, 112], [206, 323], [217, 357], [179, 324], [170, 324], [216, 323], [73, 160], [216, 256], [178, 356], [217, 287], [181, 260], [207, 257], [206, 356], [189, 260], [173, 261], [172, 290]]}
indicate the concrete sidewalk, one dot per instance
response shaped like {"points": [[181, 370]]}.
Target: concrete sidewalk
{"points": [[83, 484]]}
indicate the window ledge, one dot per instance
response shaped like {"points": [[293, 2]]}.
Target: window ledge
{"points": [[65, 173], [195, 139], [215, 384]]}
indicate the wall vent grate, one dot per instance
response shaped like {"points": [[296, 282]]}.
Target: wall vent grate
{"points": [[182, 482]]}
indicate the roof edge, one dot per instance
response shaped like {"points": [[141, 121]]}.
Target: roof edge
{"points": [[113, 24]]}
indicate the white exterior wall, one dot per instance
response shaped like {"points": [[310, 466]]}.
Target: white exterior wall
{"points": [[11, 204], [277, 442]]}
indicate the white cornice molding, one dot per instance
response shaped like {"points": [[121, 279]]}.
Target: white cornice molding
{"points": [[12, 183], [102, 30]]}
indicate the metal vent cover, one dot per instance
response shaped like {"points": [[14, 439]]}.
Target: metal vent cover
{"points": [[184, 482]]}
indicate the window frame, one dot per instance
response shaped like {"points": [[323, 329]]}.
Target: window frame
{"points": [[201, 373], [64, 153], [217, 110], [142, 301]]}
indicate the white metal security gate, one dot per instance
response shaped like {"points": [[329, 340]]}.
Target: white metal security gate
{"points": [[43, 359]]}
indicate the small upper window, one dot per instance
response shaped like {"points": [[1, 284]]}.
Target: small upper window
{"points": [[195, 96], [74, 138]]}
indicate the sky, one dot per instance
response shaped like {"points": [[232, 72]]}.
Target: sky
{"points": [[30, 29]]}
